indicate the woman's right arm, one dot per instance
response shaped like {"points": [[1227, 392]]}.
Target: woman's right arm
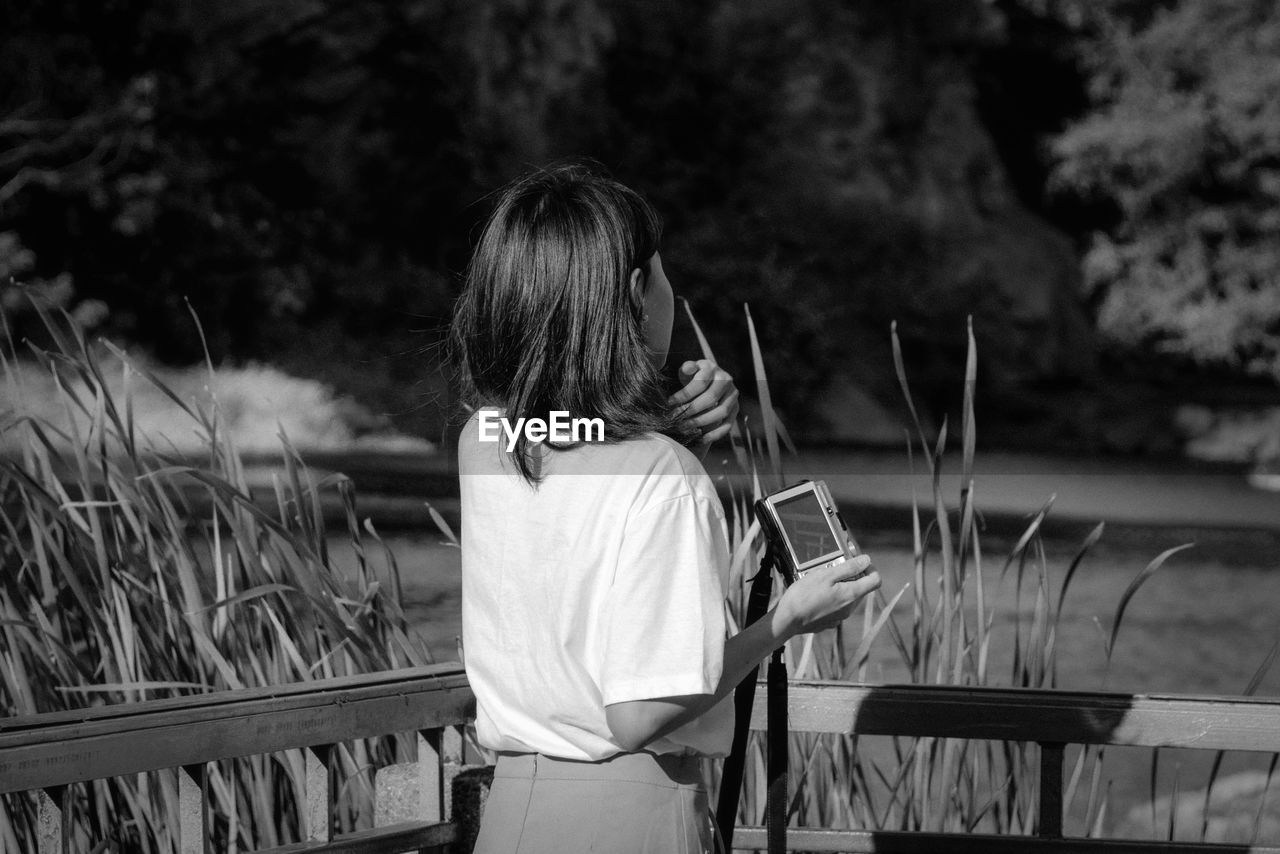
{"points": [[821, 599]]}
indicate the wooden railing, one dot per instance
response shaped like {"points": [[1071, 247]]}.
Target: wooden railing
{"points": [[1053, 719], [51, 751], [48, 752]]}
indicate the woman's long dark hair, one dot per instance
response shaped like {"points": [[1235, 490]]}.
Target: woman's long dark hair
{"points": [[546, 320]]}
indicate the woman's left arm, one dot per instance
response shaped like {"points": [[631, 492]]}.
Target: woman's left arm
{"points": [[709, 400], [822, 599]]}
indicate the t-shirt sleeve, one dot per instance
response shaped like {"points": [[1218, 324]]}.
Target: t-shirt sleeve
{"points": [[666, 628]]}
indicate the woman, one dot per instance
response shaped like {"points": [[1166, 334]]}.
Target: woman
{"points": [[595, 572]]}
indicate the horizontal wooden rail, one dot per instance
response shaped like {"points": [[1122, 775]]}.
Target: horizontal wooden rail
{"points": [[1050, 718], [293, 694], [111, 741], [899, 842], [50, 752], [392, 839], [1013, 714]]}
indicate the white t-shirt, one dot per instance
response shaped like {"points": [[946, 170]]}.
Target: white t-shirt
{"points": [[604, 584]]}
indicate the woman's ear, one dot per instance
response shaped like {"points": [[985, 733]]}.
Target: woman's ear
{"points": [[636, 291]]}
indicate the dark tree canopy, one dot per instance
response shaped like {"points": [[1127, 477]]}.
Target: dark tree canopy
{"points": [[309, 175]]}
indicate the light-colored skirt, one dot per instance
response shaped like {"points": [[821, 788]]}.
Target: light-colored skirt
{"points": [[633, 803]]}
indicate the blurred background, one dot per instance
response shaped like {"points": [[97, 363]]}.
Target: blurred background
{"points": [[1096, 183]]}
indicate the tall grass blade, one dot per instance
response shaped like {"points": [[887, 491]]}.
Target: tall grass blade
{"points": [[1029, 533], [1155, 767], [442, 524], [859, 657], [393, 566], [1173, 803], [1073, 780], [1089, 542], [968, 429], [143, 685], [769, 417], [249, 595], [900, 370], [1262, 799], [1137, 582], [1254, 682], [1095, 830]]}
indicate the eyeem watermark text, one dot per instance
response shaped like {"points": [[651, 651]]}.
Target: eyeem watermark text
{"points": [[561, 428]]}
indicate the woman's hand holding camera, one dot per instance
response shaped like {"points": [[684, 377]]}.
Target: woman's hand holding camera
{"points": [[825, 597], [708, 399]]}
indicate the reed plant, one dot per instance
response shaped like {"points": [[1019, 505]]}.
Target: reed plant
{"points": [[131, 572], [939, 629]]}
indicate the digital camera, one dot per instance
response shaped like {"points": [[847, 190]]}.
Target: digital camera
{"points": [[804, 529]]}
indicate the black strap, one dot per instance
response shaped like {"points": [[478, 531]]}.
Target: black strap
{"points": [[776, 762], [743, 700]]}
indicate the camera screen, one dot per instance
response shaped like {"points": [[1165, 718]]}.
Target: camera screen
{"points": [[805, 524]]}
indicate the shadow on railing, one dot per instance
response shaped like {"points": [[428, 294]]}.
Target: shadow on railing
{"points": [[1051, 718], [50, 752]]}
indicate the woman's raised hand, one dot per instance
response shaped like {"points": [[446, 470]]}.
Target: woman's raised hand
{"points": [[708, 399], [825, 597]]}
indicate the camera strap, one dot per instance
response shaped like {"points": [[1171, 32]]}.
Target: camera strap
{"points": [[776, 734]]}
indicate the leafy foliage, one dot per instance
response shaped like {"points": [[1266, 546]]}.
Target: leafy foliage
{"points": [[237, 156], [1185, 140]]}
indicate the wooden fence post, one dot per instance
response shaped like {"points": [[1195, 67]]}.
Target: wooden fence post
{"points": [[193, 790], [1051, 756], [52, 821], [319, 814], [430, 772]]}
